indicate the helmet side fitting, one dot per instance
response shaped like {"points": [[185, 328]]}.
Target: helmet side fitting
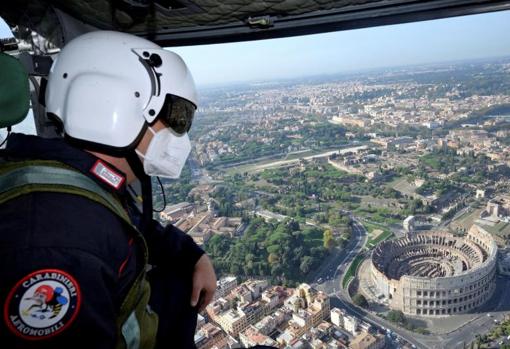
{"points": [[106, 87]]}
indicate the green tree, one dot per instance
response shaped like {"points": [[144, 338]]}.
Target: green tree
{"points": [[306, 264], [328, 239], [277, 249], [273, 258], [360, 300], [397, 316]]}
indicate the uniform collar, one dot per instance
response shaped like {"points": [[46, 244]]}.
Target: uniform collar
{"points": [[28, 147]]}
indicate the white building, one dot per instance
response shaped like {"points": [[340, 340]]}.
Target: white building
{"points": [[480, 194], [351, 324], [409, 224], [337, 317], [224, 286]]}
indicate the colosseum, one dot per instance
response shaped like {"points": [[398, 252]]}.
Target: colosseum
{"points": [[435, 273]]}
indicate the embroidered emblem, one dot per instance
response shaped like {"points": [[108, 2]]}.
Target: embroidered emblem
{"points": [[107, 174], [42, 304]]}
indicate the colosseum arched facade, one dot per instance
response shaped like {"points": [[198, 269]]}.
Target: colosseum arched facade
{"points": [[436, 273]]}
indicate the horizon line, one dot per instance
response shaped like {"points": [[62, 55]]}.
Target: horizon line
{"points": [[345, 73]]}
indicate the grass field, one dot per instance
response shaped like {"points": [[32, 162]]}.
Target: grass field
{"points": [[248, 168], [466, 220], [353, 269], [384, 236], [501, 229], [402, 185], [374, 239], [290, 159]]}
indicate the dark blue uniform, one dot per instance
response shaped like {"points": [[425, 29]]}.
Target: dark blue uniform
{"points": [[66, 263]]}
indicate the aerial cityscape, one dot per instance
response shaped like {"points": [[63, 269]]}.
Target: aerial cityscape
{"points": [[367, 210], [348, 179]]}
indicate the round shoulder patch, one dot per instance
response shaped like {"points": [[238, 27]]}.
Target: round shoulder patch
{"points": [[42, 304]]}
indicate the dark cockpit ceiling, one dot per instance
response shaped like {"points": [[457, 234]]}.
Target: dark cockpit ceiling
{"points": [[192, 22]]}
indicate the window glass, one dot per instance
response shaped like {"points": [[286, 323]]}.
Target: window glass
{"points": [[27, 126]]}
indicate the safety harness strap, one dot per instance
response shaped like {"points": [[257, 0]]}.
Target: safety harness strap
{"points": [[30, 178]]}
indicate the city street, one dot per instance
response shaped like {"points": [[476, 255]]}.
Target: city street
{"points": [[340, 298], [495, 310], [330, 273]]}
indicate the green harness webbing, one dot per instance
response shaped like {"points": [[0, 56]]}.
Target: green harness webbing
{"points": [[136, 323], [26, 179]]}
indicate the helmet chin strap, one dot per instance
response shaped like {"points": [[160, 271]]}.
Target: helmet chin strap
{"points": [[136, 165]]}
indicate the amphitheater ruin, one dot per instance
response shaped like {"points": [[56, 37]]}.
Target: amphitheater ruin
{"points": [[435, 273]]}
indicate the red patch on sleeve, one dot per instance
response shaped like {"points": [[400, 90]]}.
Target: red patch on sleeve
{"points": [[42, 304]]}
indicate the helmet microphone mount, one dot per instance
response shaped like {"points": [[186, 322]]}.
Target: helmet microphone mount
{"points": [[155, 60]]}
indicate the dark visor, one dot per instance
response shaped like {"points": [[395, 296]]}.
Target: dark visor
{"points": [[177, 113]]}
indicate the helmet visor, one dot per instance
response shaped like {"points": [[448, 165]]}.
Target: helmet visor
{"points": [[178, 113]]}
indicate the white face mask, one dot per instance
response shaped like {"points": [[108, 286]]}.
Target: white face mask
{"points": [[166, 154]]}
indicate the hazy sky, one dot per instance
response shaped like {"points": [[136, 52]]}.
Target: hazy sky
{"points": [[450, 39], [459, 38], [5, 32]]}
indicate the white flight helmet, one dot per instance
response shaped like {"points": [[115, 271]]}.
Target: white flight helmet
{"points": [[104, 86]]}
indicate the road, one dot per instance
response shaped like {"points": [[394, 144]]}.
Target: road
{"points": [[329, 272], [457, 215], [332, 273], [378, 322], [341, 297], [198, 173], [496, 309], [333, 280]]}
